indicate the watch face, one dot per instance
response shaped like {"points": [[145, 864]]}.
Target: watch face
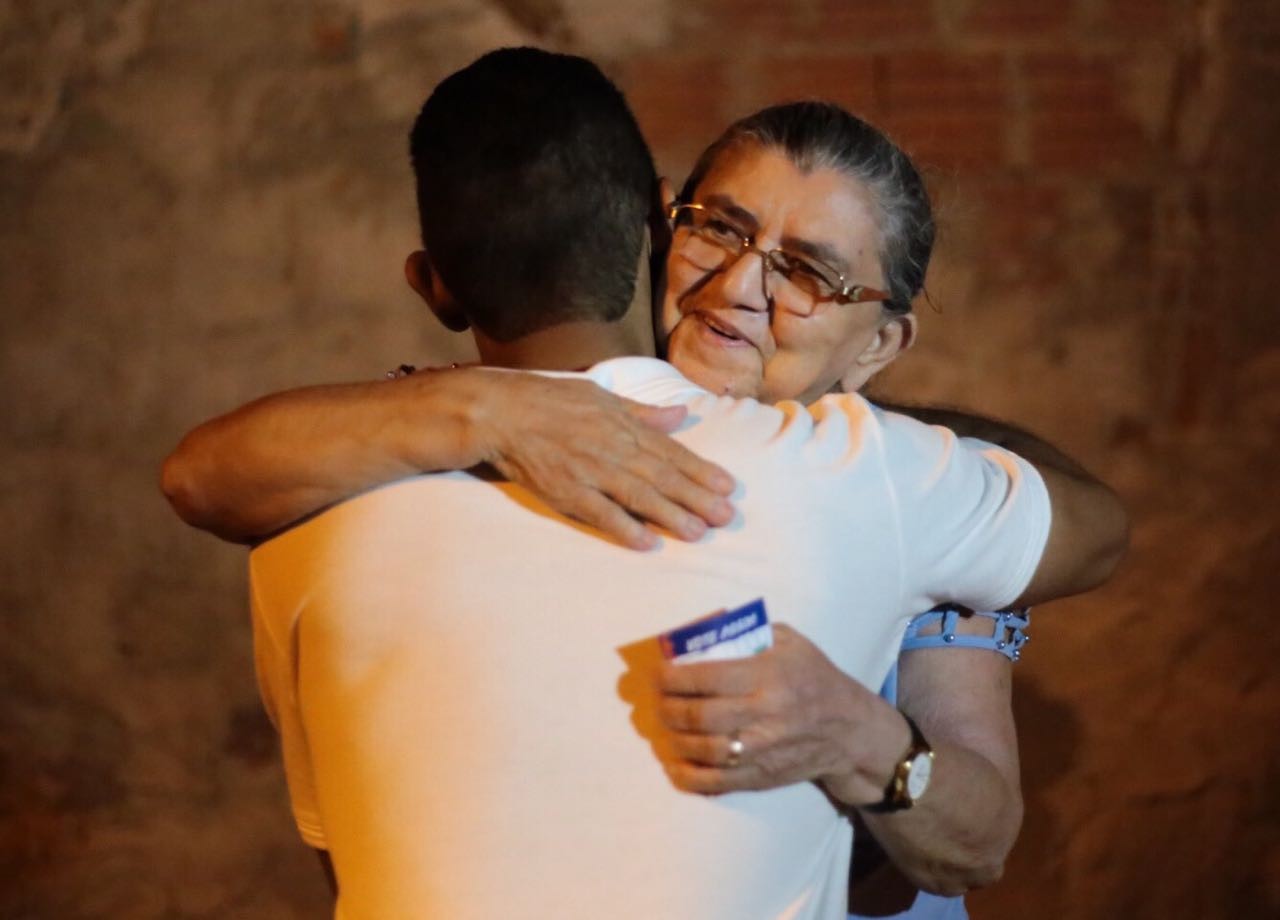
{"points": [[918, 777]]}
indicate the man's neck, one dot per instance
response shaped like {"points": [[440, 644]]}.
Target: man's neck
{"points": [[578, 345], [568, 346]]}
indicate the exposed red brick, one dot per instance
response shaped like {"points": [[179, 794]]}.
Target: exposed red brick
{"points": [[1254, 27], [847, 80], [1018, 232], [729, 24], [1016, 18], [1201, 352], [1142, 18], [680, 104], [923, 81], [949, 110], [949, 141], [333, 35], [1076, 120], [816, 24], [872, 21]]}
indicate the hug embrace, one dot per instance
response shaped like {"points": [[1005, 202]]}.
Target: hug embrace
{"points": [[457, 575]]}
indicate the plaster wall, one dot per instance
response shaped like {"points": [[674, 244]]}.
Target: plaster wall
{"points": [[201, 202]]}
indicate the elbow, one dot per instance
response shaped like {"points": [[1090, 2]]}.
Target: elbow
{"points": [[183, 480], [954, 879], [979, 875], [1086, 544], [987, 861], [976, 862], [1120, 541], [1113, 542], [957, 878], [180, 487]]}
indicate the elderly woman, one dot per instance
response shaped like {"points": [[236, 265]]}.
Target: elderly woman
{"points": [[797, 247]]}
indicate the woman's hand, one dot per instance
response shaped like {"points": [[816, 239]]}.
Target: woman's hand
{"points": [[599, 458], [799, 718], [796, 715]]}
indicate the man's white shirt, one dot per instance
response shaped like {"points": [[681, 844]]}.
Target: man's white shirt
{"points": [[458, 673]]}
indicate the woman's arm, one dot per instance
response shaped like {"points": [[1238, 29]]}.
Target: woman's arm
{"points": [[589, 454], [800, 718], [958, 835]]}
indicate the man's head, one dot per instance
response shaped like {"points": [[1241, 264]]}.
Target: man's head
{"points": [[535, 187]]}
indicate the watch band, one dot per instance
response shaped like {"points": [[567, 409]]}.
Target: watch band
{"points": [[897, 796]]}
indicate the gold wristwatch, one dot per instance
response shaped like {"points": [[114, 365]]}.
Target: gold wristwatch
{"points": [[911, 775]]}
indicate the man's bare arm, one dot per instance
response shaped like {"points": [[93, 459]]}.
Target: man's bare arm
{"points": [[1090, 529], [591, 455]]}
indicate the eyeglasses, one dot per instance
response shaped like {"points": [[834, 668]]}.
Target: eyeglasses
{"points": [[711, 242]]}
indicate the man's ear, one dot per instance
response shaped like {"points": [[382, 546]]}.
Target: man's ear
{"points": [[427, 283], [895, 335]]}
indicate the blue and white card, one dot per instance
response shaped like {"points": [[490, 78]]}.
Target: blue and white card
{"points": [[738, 633]]}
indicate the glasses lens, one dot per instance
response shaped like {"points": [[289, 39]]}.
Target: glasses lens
{"points": [[812, 279], [709, 241], [716, 229]]}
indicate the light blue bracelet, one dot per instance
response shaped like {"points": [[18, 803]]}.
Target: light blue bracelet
{"points": [[1007, 637]]}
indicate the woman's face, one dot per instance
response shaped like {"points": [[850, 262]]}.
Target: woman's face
{"points": [[719, 327]]}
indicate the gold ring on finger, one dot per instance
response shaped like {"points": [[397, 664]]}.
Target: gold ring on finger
{"points": [[736, 750]]}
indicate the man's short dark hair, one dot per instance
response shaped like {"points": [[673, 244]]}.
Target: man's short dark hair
{"points": [[534, 187]]}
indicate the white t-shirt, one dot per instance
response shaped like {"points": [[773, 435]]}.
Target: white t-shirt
{"points": [[458, 672]]}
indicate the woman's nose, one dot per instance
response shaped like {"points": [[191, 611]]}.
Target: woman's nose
{"points": [[744, 283]]}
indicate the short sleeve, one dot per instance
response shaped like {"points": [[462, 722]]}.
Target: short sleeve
{"points": [[974, 518]]}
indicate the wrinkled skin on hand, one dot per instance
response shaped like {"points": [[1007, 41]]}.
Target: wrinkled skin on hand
{"points": [[601, 459], [799, 718]]}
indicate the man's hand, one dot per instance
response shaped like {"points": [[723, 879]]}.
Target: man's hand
{"points": [[797, 716], [602, 459]]}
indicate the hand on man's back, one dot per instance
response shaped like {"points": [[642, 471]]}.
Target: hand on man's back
{"points": [[604, 460]]}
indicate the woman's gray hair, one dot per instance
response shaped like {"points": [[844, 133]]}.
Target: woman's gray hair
{"points": [[818, 135]]}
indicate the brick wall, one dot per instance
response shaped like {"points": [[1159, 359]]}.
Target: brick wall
{"points": [[1104, 275], [200, 202]]}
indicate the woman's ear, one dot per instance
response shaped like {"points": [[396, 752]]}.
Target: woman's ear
{"points": [[895, 335], [426, 281]]}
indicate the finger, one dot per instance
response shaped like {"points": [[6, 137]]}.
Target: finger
{"points": [[709, 506], [784, 630], [704, 780], [700, 471], [591, 507], [662, 418], [704, 750], [740, 677], [642, 499], [714, 715], [666, 419]]}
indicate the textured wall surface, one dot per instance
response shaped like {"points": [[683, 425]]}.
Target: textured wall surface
{"points": [[203, 201]]}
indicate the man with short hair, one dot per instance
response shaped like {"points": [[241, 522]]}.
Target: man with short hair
{"points": [[458, 672]]}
